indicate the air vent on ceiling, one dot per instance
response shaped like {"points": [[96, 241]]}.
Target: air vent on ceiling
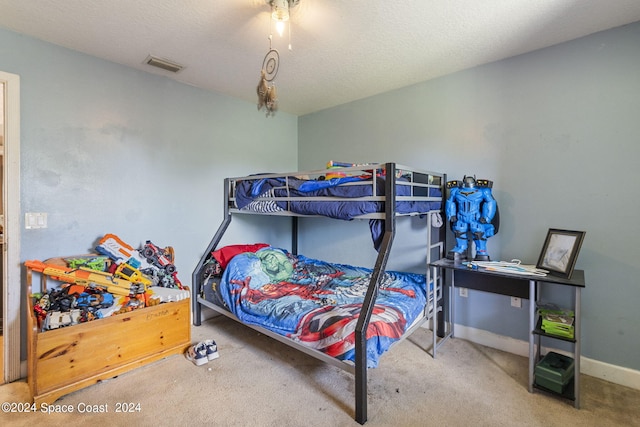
{"points": [[165, 64]]}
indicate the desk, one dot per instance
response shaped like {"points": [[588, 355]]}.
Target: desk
{"points": [[516, 285]]}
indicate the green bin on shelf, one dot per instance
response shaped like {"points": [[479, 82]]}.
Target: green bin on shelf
{"points": [[554, 372]]}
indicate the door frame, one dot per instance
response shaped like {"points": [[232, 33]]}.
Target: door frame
{"points": [[12, 267]]}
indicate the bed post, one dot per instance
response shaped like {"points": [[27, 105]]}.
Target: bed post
{"points": [[196, 277], [372, 293], [294, 235], [443, 238]]}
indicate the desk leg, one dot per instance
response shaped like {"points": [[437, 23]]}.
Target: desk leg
{"points": [[576, 362], [452, 302], [532, 326]]}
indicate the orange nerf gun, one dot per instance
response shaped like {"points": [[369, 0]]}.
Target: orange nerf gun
{"points": [[87, 277]]}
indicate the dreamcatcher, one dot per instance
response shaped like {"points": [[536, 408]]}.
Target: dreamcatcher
{"points": [[267, 93]]}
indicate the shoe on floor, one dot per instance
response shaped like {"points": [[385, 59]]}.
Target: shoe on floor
{"points": [[197, 354], [212, 349]]}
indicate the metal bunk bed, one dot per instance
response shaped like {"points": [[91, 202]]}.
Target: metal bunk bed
{"points": [[421, 186]]}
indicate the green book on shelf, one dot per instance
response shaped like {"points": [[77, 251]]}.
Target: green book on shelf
{"points": [[557, 322]]}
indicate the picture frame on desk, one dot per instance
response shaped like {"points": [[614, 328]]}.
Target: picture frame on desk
{"points": [[560, 252]]}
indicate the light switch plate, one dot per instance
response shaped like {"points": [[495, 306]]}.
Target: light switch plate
{"points": [[35, 220]]}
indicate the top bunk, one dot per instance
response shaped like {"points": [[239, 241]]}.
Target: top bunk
{"points": [[350, 192]]}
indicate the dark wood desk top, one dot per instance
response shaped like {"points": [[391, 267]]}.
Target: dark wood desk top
{"points": [[577, 278]]}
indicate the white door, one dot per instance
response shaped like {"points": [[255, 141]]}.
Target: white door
{"points": [[10, 226]]}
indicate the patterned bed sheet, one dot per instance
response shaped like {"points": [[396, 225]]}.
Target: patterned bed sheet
{"points": [[317, 303]]}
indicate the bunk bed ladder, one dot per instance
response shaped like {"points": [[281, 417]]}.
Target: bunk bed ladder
{"points": [[196, 277], [441, 325], [372, 293]]}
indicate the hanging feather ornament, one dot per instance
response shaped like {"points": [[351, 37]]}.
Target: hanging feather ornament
{"points": [[262, 90], [272, 100]]}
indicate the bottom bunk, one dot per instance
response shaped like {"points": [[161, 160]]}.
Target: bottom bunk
{"points": [[314, 305]]}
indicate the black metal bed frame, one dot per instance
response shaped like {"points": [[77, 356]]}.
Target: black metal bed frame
{"points": [[360, 368]]}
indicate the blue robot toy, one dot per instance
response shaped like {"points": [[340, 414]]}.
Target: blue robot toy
{"points": [[471, 207]]}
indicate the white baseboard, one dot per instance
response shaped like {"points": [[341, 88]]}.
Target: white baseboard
{"points": [[595, 368]]}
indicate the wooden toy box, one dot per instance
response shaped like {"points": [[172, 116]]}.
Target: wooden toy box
{"points": [[64, 360]]}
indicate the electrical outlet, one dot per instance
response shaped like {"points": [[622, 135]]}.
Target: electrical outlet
{"points": [[464, 292], [516, 302]]}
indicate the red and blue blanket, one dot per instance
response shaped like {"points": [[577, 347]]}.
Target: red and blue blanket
{"points": [[317, 303]]}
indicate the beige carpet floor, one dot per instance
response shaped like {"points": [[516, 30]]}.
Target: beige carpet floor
{"points": [[260, 382]]}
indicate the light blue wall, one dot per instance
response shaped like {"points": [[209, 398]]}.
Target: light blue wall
{"points": [[557, 130], [108, 149]]}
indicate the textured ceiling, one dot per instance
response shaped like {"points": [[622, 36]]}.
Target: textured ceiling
{"points": [[343, 50]]}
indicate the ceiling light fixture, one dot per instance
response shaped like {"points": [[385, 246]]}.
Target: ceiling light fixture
{"points": [[280, 10], [280, 14]]}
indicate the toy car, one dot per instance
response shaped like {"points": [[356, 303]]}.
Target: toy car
{"points": [[101, 300], [58, 319], [161, 258]]}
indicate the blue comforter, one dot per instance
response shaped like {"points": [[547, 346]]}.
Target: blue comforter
{"points": [[317, 303], [350, 207]]}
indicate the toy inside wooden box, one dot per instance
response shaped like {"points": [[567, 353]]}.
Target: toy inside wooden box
{"points": [[66, 359]]}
